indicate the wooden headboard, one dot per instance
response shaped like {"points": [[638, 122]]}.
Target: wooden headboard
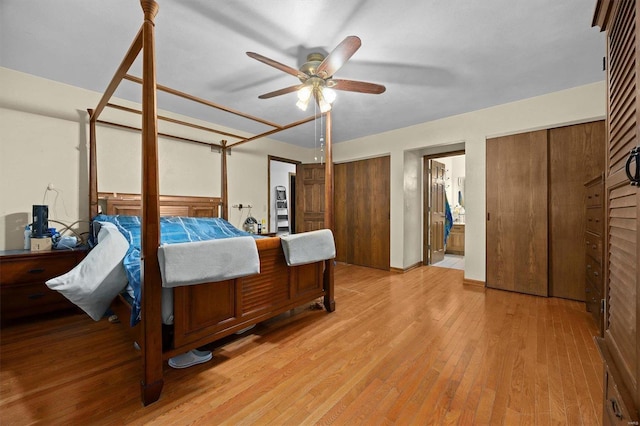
{"points": [[170, 205]]}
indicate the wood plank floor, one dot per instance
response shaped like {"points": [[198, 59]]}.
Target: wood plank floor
{"points": [[407, 349]]}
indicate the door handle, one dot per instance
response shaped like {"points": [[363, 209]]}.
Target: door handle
{"points": [[615, 407], [633, 155]]}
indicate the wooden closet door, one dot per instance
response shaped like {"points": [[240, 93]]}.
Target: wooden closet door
{"points": [[517, 225], [368, 201], [340, 212], [576, 155]]}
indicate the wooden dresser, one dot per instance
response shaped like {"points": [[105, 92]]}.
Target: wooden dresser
{"points": [[23, 273], [594, 283], [455, 243], [620, 344]]}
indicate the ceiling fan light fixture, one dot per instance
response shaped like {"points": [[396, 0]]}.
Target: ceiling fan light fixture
{"points": [[304, 95], [302, 104], [324, 105], [329, 94], [316, 76]]}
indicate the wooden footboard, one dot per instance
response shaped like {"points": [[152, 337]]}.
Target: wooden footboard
{"points": [[207, 312], [204, 313]]}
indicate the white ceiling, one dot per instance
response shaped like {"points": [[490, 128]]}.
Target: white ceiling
{"points": [[437, 58]]}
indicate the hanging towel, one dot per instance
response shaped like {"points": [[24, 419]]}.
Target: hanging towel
{"points": [[448, 219]]}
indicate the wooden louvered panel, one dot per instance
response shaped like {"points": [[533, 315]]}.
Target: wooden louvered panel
{"points": [[621, 344], [619, 59], [621, 293], [270, 287], [624, 138], [622, 87], [623, 107]]}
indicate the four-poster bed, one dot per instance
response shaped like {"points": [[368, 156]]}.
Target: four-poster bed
{"points": [[231, 305]]}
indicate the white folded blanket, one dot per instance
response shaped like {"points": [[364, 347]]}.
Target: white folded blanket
{"points": [[308, 247], [208, 261]]}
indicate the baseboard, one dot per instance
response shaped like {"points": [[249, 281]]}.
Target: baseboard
{"points": [[475, 283], [402, 271]]}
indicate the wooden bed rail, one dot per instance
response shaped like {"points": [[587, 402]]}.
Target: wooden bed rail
{"points": [[205, 102]]}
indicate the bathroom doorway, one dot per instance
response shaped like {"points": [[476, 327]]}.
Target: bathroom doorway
{"points": [[282, 174], [444, 209]]}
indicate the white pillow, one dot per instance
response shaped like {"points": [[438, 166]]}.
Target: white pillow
{"points": [[99, 277]]}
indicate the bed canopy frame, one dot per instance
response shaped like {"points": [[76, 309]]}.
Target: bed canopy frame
{"points": [[151, 323]]}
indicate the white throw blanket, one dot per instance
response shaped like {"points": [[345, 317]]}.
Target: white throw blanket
{"points": [[308, 247], [208, 261]]}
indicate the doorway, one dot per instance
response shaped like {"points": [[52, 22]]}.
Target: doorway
{"points": [[444, 209], [282, 174]]}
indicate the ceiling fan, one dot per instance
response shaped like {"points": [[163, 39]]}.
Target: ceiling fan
{"points": [[316, 76]]}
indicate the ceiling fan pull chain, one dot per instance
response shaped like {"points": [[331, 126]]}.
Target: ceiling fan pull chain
{"points": [[315, 132]]}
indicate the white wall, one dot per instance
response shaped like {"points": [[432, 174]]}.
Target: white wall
{"points": [[580, 104], [412, 212]]}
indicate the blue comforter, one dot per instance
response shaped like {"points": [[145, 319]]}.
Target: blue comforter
{"points": [[172, 230]]}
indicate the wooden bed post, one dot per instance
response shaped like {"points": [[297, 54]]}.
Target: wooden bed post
{"points": [[150, 279], [224, 195], [93, 167], [329, 301]]}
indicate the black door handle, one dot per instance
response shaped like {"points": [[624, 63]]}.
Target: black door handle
{"points": [[633, 155]]}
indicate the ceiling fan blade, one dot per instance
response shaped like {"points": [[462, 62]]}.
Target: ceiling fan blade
{"points": [[357, 86], [280, 92], [278, 65], [338, 57]]}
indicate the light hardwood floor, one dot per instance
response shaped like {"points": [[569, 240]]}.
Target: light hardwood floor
{"points": [[408, 349]]}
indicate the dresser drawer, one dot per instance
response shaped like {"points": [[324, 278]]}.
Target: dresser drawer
{"points": [[594, 273], [593, 246], [594, 195], [30, 299], [592, 298], [38, 268], [23, 292], [594, 221]]}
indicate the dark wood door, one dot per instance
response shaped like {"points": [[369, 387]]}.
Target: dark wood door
{"points": [[576, 155], [517, 225], [309, 197], [341, 212], [436, 209], [368, 212]]}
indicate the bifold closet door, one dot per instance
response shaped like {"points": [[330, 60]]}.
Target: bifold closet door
{"points": [[517, 224]]}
